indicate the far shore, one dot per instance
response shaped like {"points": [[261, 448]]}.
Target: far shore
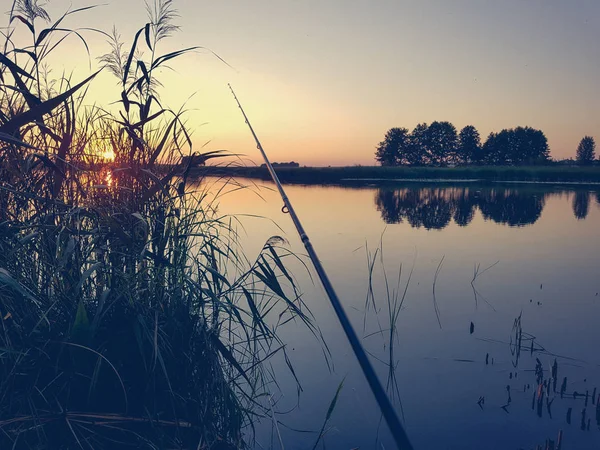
{"points": [[553, 174]]}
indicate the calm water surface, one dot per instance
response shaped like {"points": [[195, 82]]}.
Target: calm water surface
{"points": [[543, 246]]}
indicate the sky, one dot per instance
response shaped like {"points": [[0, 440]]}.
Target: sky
{"points": [[322, 81]]}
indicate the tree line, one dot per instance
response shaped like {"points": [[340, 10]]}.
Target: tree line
{"points": [[439, 144]]}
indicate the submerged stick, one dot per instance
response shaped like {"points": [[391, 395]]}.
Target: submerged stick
{"points": [[385, 405], [435, 304]]}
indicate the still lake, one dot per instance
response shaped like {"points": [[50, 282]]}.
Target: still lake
{"points": [[467, 369]]}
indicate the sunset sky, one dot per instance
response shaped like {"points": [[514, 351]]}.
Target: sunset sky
{"points": [[322, 81]]}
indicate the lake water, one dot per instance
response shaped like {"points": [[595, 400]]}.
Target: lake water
{"points": [[461, 379]]}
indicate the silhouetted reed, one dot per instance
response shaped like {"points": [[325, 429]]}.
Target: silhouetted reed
{"points": [[129, 316]]}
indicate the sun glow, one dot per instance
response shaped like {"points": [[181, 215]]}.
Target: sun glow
{"points": [[109, 178], [109, 155]]}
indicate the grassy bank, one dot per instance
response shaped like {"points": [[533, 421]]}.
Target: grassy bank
{"points": [[325, 175]]}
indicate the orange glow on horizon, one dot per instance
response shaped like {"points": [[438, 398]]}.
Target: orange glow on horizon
{"points": [[303, 111]]}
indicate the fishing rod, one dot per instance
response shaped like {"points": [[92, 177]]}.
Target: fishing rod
{"points": [[385, 405]]}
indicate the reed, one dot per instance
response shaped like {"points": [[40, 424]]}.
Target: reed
{"points": [[129, 314], [394, 296]]}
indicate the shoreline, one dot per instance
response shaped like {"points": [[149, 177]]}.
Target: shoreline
{"points": [[543, 175]]}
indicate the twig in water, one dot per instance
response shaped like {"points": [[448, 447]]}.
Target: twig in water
{"points": [[476, 274], [435, 305]]}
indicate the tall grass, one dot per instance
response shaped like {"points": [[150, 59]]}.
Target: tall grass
{"points": [[129, 316], [388, 315]]}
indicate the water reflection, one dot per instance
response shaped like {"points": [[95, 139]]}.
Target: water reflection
{"points": [[581, 205], [512, 207], [542, 274], [436, 207], [428, 208]]}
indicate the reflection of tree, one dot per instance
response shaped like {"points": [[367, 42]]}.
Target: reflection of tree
{"points": [[434, 208], [511, 207], [387, 203], [465, 209], [432, 212], [581, 205], [430, 208]]}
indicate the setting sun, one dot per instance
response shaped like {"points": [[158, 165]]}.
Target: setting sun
{"points": [[108, 155]]}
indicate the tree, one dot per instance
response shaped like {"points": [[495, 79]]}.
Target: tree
{"points": [[469, 145], [495, 148], [439, 145], [528, 146], [418, 144], [441, 141], [586, 151], [522, 145], [393, 149]]}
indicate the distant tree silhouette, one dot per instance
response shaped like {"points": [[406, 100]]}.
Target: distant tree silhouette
{"points": [[392, 150], [581, 205], [518, 146], [529, 146], [418, 142], [469, 146], [586, 151], [494, 150], [283, 164], [441, 139], [439, 145]]}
